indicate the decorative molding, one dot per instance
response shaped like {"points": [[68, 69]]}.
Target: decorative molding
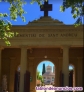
{"points": [[79, 58], [61, 50], [60, 57], [31, 50], [12, 58], [56, 57], [71, 57], [65, 46], [43, 30], [23, 46], [1, 47], [31, 57]]}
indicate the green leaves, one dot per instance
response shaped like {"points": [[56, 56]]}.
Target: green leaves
{"points": [[74, 16], [3, 15], [77, 9], [5, 32], [39, 77], [38, 1], [15, 11], [62, 8]]}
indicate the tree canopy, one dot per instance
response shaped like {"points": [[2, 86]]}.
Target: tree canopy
{"points": [[16, 10]]}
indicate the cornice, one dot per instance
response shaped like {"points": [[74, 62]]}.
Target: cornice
{"points": [[45, 30], [1, 47], [23, 46], [31, 57], [71, 58], [48, 28], [79, 58], [66, 46], [12, 58]]}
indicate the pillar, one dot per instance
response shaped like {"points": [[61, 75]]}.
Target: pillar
{"points": [[34, 74], [65, 66], [57, 73], [0, 66], [79, 72], [23, 67], [12, 73], [30, 69], [60, 68]]}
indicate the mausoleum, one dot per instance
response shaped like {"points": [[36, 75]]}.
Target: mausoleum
{"points": [[62, 43]]}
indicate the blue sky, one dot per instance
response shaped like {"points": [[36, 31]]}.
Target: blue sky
{"points": [[33, 12]]}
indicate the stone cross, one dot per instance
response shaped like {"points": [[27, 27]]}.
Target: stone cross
{"points": [[46, 7]]}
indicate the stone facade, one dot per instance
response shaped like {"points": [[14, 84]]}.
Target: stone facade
{"points": [[49, 75], [63, 44]]}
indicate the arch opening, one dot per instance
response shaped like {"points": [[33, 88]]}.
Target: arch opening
{"points": [[45, 73]]}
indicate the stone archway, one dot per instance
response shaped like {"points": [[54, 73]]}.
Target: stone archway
{"points": [[50, 72]]}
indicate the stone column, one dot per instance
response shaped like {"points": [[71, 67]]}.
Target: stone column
{"points": [[65, 66], [30, 69], [79, 72], [60, 68], [34, 74], [0, 65], [23, 67], [57, 73], [12, 73]]}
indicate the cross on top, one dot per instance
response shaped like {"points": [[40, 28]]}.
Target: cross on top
{"points": [[46, 7]]}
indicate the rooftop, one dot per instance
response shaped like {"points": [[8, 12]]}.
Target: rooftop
{"points": [[45, 21], [48, 73]]}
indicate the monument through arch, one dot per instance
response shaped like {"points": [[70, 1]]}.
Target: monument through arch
{"points": [[64, 46], [46, 69]]}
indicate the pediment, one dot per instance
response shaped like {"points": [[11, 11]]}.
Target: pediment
{"points": [[45, 21]]}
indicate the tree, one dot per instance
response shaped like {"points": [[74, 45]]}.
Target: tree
{"points": [[38, 74], [77, 11], [39, 77], [5, 25], [17, 10], [43, 71]]}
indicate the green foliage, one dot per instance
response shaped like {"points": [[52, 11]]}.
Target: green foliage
{"points": [[38, 1], [15, 10], [77, 11], [39, 77]]}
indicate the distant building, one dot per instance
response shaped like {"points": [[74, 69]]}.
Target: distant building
{"points": [[49, 76]]}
